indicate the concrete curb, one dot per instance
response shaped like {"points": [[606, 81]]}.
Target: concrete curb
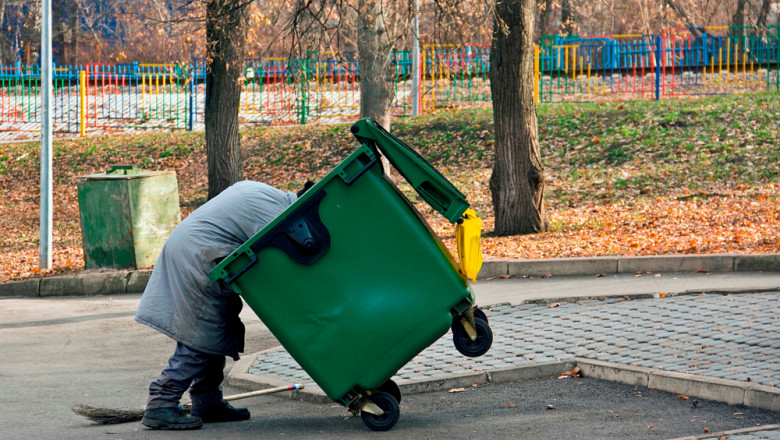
{"points": [[691, 385], [719, 390], [615, 265], [722, 434], [87, 283], [240, 377], [104, 282]]}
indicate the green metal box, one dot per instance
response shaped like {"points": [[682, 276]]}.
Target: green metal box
{"points": [[126, 216], [350, 278]]}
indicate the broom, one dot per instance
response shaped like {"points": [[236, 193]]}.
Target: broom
{"points": [[109, 416]]}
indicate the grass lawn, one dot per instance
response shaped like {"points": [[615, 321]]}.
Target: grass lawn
{"points": [[633, 178]]}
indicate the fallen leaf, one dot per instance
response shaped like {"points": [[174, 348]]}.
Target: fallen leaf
{"points": [[510, 405], [706, 429], [573, 373], [554, 305], [680, 396]]}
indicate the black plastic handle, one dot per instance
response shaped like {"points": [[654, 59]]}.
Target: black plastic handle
{"points": [[301, 235], [351, 179], [252, 261]]}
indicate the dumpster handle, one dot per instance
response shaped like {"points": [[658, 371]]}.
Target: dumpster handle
{"points": [[252, 261], [350, 180], [302, 235], [304, 243]]}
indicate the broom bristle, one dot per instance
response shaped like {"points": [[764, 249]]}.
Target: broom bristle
{"points": [[108, 416]]}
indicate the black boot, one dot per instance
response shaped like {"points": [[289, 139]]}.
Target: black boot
{"points": [[170, 418], [222, 413]]}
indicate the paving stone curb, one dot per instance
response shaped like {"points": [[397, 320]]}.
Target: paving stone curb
{"points": [[122, 281]]}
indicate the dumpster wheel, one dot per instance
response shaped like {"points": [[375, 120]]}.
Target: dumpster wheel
{"points": [[387, 403], [476, 344], [391, 388], [478, 313]]}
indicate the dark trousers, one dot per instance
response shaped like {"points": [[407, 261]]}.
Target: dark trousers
{"points": [[201, 372]]}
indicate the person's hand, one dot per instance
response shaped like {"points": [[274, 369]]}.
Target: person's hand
{"points": [[305, 188]]}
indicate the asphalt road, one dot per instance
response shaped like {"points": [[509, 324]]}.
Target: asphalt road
{"points": [[65, 351]]}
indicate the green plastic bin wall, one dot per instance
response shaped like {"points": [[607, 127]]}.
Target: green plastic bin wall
{"points": [[380, 288], [126, 216]]}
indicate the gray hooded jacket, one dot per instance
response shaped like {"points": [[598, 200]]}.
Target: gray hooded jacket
{"points": [[180, 299]]}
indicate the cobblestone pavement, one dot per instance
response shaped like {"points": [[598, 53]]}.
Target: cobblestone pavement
{"points": [[732, 337]]}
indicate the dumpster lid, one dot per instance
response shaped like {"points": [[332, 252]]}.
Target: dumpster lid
{"points": [[421, 175], [124, 172]]}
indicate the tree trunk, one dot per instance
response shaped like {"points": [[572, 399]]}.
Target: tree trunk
{"points": [[763, 12], [544, 18], [376, 74], [226, 24], [7, 55], [738, 19], [568, 17], [517, 181]]}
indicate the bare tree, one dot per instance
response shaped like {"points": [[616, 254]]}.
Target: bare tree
{"points": [[7, 55], [226, 23], [738, 19], [545, 8], [568, 18], [517, 182], [376, 75], [763, 12], [680, 11]]}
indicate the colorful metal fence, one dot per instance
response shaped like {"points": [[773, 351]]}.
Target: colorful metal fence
{"points": [[325, 86], [679, 62], [454, 75], [720, 60], [570, 67], [20, 108], [140, 95]]}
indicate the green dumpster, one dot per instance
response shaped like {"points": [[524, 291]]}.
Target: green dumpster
{"points": [[126, 216], [352, 280]]}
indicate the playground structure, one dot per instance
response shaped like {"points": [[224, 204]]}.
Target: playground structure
{"points": [[324, 87]]}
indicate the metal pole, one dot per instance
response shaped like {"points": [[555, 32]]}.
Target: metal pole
{"points": [[416, 74], [658, 54], [45, 256]]}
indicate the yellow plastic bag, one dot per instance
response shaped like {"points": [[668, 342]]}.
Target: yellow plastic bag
{"points": [[467, 237]]}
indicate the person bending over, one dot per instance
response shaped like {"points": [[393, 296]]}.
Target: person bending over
{"points": [[202, 316]]}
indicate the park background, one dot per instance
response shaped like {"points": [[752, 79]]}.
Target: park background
{"points": [[658, 137]]}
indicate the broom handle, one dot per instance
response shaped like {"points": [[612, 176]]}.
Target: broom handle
{"points": [[292, 387]]}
